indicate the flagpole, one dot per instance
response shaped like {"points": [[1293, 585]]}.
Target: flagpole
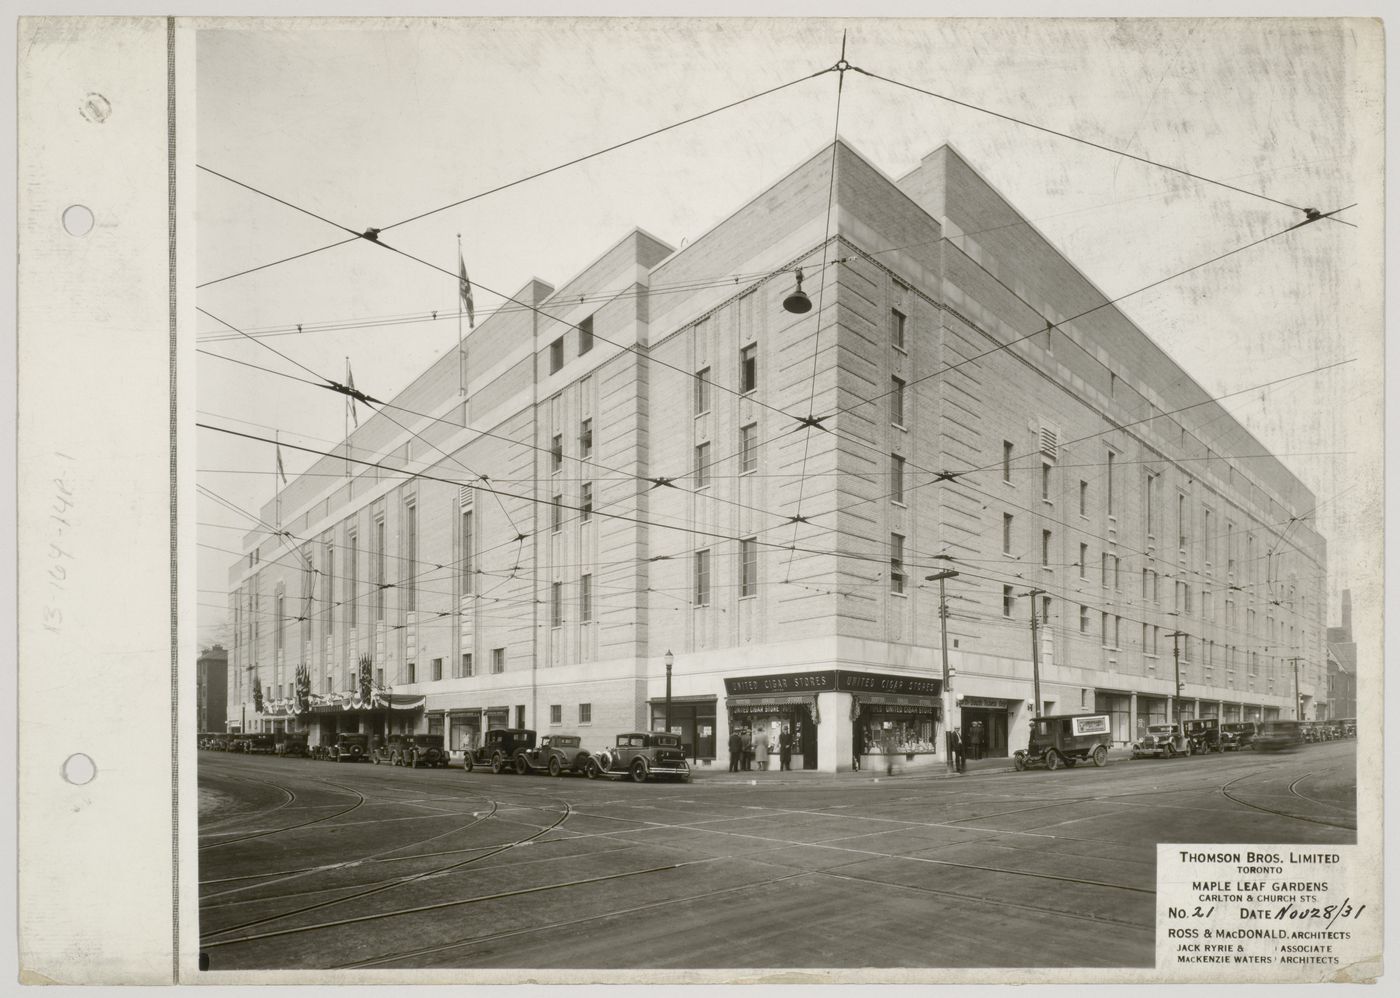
{"points": [[276, 470], [348, 403], [461, 377]]}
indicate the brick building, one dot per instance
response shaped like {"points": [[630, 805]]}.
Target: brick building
{"points": [[1341, 667], [649, 487], [211, 676]]}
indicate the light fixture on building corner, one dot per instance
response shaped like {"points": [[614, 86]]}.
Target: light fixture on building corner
{"points": [[798, 303]]}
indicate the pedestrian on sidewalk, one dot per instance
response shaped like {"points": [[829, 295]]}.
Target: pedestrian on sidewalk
{"points": [[736, 750], [959, 758], [760, 747], [748, 749], [857, 745], [785, 749]]}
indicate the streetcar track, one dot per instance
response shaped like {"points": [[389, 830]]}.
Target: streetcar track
{"points": [[1293, 789], [287, 828], [1282, 814]]}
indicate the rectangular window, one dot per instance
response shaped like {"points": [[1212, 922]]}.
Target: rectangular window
{"points": [[1145, 588], [556, 453], [897, 328], [748, 567], [702, 391], [410, 584], [1045, 482], [556, 713], [702, 578], [897, 401], [1145, 643], [1111, 458], [498, 660], [330, 588], [468, 542], [413, 672], [467, 665], [1083, 619], [557, 514], [556, 355], [1006, 522], [437, 669], [748, 368], [702, 466], [352, 579], [1045, 549], [896, 478], [585, 713], [1107, 577], [748, 448], [1182, 514], [1083, 561], [1155, 631], [585, 438], [1117, 575], [1118, 632], [585, 336], [1045, 610], [1006, 460], [556, 604], [379, 580], [1103, 630], [1083, 498], [896, 563], [585, 598], [586, 502], [1008, 602], [520, 715]]}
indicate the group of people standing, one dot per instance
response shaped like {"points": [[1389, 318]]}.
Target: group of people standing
{"points": [[748, 747]]}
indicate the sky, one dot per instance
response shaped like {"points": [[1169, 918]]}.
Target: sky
{"points": [[366, 123]]}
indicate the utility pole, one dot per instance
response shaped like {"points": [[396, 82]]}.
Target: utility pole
{"points": [[1035, 649], [1297, 695], [942, 577], [1176, 662]]}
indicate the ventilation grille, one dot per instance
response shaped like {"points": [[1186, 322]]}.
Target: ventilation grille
{"points": [[464, 496], [1049, 442]]}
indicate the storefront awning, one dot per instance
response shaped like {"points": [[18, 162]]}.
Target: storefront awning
{"points": [[773, 704]]}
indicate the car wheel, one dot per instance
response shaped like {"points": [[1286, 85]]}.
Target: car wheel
{"points": [[1052, 759], [1019, 761], [467, 761], [554, 768], [1100, 756], [498, 763], [639, 770], [592, 770], [1170, 752], [522, 767]]}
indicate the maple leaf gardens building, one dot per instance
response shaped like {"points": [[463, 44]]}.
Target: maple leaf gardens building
{"points": [[629, 475]]}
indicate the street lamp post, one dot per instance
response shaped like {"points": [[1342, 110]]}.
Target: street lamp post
{"points": [[670, 660], [940, 578]]}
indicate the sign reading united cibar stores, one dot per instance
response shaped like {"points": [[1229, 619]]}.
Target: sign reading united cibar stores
{"points": [[831, 680]]}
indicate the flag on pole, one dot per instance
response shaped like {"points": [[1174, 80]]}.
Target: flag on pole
{"points": [[350, 399], [279, 465], [464, 288]]}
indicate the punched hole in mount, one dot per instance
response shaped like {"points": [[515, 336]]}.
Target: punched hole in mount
{"points": [[79, 769], [77, 220]]}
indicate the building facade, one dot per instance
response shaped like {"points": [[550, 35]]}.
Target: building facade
{"points": [[682, 465], [1341, 667], [211, 676]]}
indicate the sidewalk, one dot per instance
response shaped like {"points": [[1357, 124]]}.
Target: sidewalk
{"points": [[973, 767]]}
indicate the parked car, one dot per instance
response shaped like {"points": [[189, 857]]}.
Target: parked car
{"points": [[497, 750], [1203, 734], [1273, 736], [1236, 735], [350, 746], [1164, 740], [555, 755], [411, 750], [641, 755], [259, 742], [1348, 727], [1066, 739], [291, 743]]}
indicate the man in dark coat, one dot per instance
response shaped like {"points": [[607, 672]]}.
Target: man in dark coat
{"points": [[785, 748], [955, 746], [736, 750]]}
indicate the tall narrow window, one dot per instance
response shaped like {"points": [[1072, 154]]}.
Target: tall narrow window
{"points": [[748, 448], [1182, 515], [1083, 619], [702, 391], [896, 478], [557, 514], [1045, 609], [897, 563], [468, 541], [412, 672], [1083, 498], [1117, 573], [380, 581], [748, 368], [585, 598], [556, 453], [1107, 568], [468, 669], [897, 328], [702, 466], [1111, 458], [498, 660], [586, 503], [1151, 490], [410, 596], [897, 401], [585, 336], [556, 355], [1006, 460], [556, 604], [1045, 482], [437, 669], [748, 567], [330, 588], [585, 439], [1083, 561], [1045, 549], [702, 578], [1006, 521], [1008, 602]]}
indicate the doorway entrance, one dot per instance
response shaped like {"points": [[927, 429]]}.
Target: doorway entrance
{"points": [[984, 731]]}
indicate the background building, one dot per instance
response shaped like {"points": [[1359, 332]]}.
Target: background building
{"points": [[1341, 667], [683, 465], [211, 674]]}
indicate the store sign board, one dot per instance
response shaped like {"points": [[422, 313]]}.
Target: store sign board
{"points": [[792, 682], [829, 680], [868, 682], [991, 702]]}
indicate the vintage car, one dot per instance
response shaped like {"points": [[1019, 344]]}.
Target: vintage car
{"points": [[411, 750], [1348, 727], [1236, 735], [1203, 734], [291, 743], [1273, 736], [350, 746], [555, 755], [497, 750], [641, 755], [1063, 740], [258, 742], [1164, 740]]}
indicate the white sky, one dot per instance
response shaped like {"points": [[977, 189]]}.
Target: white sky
{"points": [[367, 123]]}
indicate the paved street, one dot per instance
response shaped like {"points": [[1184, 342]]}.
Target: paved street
{"points": [[315, 864]]}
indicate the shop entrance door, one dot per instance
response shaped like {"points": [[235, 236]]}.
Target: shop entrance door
{"points": [[984, 733], [807, 738]]}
